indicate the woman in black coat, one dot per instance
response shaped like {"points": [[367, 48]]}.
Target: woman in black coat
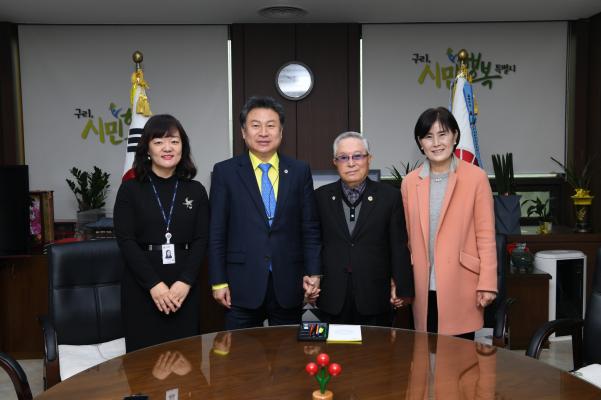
{"points": [[161, 222]]}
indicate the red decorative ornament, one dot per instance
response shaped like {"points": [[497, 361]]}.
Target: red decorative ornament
{"points": [[335, 369], [322, 372], [323, 359], [311, 368]]}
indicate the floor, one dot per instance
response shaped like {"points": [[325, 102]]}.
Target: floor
{"points": [[559, 355]]}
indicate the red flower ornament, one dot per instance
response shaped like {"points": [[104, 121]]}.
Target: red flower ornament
{"points": [[311, 368], [323, 359], [335, 369], [322, 372]]}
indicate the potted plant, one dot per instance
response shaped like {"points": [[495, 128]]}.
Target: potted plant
{"points": [[90, 190], [541, 210], [397, 175], [582, 198], [506, 202]]}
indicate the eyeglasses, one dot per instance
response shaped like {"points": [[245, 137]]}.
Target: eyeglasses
{"points": [[346, 158]]}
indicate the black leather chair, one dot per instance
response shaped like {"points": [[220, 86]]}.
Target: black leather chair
{"points": [[496, 315], [84, 299], [585, 333], [17, 376]]}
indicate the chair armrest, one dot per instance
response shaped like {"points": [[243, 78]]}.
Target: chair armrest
{"points": [[574, 325], [501, 317], [16, 375], [51, 362], [50, 343]]}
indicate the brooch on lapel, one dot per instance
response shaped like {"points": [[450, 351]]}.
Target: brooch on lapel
{"points": [[188, 203]]}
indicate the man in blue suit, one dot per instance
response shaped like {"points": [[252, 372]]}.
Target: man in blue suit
{"points": [[264, 241]]}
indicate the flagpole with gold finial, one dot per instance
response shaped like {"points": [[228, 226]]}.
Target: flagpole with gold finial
{"points": [[465, 110], [140, 112], [142, 106], [462, 56]]}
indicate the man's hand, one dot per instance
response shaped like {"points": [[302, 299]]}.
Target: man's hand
{"points": [[222, 343], [396, 301], [484, 299], [179, 291], [163, 298], [311, 287], [222, 296]]}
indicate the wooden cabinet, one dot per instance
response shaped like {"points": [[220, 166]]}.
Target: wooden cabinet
{"points": [[531, 309], [23, 296], [563, 238]]}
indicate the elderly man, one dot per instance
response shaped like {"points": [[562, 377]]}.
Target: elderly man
{"points": [[365, 259], [264, 242]]}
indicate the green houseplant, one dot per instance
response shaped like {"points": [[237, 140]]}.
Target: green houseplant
{"points": [[90, 190], [580, 181], [506, 202], [397, 175], [541, 210]]}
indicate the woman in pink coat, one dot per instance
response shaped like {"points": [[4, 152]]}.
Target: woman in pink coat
{"points": [[450, 223]]}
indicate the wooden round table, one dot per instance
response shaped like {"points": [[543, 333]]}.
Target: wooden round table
{"points": [[269, 363]]}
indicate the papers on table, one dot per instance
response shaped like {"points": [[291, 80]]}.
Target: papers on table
{"points": [[344, 333]]}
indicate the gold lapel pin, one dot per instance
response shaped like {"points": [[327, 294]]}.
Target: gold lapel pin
{"points": [[370, 198]]}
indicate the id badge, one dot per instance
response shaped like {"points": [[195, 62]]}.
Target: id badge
{"points": [[168, 253]]}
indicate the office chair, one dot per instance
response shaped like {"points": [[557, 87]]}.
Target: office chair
{"points": [[17, 376], [585, 333], [83, 326], [496, 315]]}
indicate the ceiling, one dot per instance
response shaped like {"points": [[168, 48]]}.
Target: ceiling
{"points": [[327, 11]]}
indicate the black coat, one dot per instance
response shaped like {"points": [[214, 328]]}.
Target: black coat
{"points": [[375, 252], [138, 221]]}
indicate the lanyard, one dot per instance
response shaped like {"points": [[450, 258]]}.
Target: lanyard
{"points": [[167, 220]]}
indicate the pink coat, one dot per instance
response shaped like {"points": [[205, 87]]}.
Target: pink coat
{"points": [[465, 254]]}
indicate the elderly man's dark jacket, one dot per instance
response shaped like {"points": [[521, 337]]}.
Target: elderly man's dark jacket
{"points": [[375, 252]]}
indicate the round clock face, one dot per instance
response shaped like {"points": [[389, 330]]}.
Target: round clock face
{"points": [[294, 80]]}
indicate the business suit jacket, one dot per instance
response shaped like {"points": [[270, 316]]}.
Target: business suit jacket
{"points": [[242, 245], [465, 253], [376, 251]]}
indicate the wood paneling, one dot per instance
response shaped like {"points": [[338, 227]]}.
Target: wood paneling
{"points": [[257, 53], [326, 112], [11, 138], [587, 107], [593, 128], [23, 297], [331, 51], [531, 309]]}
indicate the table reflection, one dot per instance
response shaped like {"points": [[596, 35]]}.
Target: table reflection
{"points": [[173, 365], [171, 362], [444, 367], [269, 363]]}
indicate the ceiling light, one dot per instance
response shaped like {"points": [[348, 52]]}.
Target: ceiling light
{"points": [[282, 12]]}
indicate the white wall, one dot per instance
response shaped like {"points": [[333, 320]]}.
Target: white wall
{"points": [[69, 67], [523, 113]]}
